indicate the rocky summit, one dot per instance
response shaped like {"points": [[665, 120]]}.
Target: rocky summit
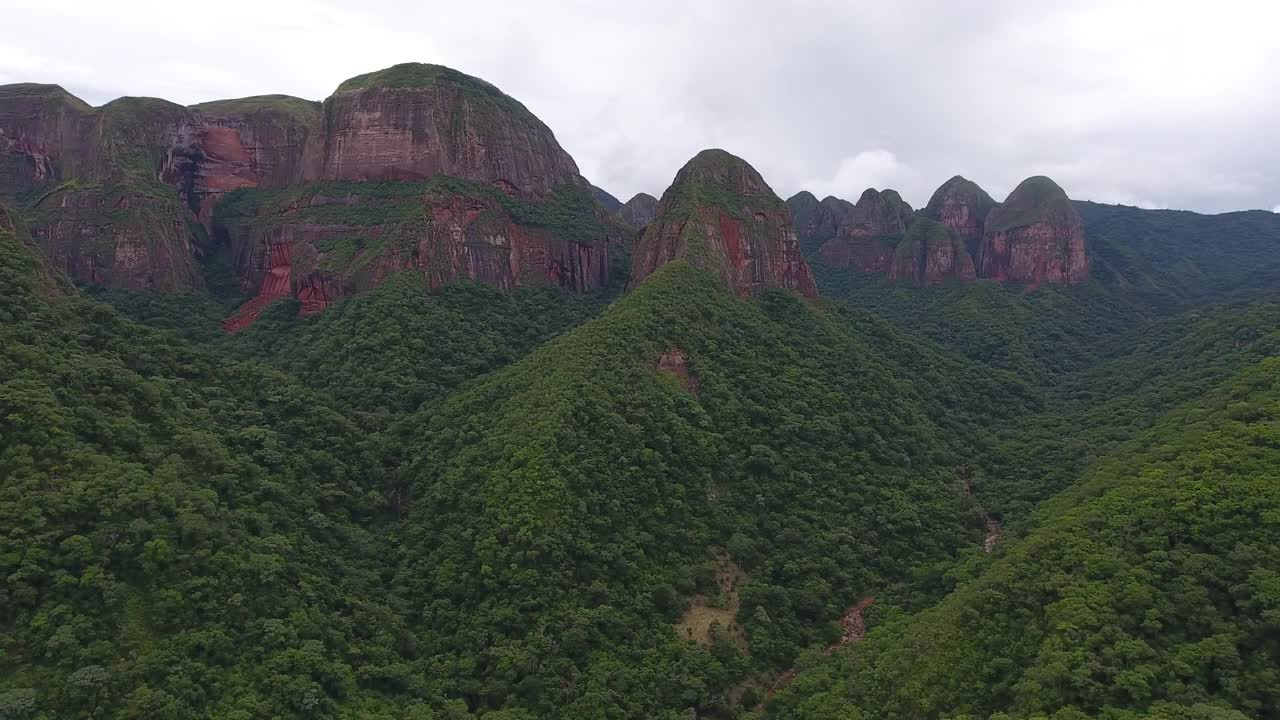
{"points": [[639, 210], [721, 216], [413, 167], [1035, 236], [962, 206]]}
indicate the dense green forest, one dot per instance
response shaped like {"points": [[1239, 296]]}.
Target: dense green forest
{"points": [[671, 503]]}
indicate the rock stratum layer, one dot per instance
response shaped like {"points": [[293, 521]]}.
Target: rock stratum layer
{"points": [[719, 215], [128, 194], [1034, 237]]}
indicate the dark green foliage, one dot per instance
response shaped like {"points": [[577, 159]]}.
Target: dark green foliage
{"points": [[388, 351], [570, 211], [550, 513], [1172, 258], [1151, 581], [444, 504]]}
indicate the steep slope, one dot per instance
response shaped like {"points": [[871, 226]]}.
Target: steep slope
{"points": [[817, 222], [639, 210], [264, 141], [932, 253], [963, 206], [1148, 589], [1174, 258], [564, 503], [719, 215], [867, 237], [185, 535], [413, 121], [606, 200], [1035, 236], [124, 196]]}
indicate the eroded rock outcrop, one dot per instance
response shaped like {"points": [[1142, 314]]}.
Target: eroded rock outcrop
{"points": [[266, 141], [413, 121], [124, 194], [867, 233], [719, 215], [317, 244], [639, 210], [1035, 236], [931, 253], [962, 205]]}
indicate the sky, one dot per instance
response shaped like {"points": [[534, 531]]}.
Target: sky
{"points": [[1156, 103]]}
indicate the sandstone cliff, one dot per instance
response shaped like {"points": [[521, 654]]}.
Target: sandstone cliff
{"points": [[413, 121], [124, 195], [962, 205], [1035, 236], [322, 241], [867, 234], [719, 215], [639, 210], [931, 253]]}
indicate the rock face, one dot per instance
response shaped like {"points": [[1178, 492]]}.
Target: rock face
{"points": [[931, 253], [719, 215], [413, 121], [125, 195], [639, 210], [90, 185], [266, 141], [962, 206], [324, 241], [1035, 236], [867, 234]]}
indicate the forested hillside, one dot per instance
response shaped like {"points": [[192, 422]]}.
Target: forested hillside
{"points": [[459, 502], [1149, 589]]}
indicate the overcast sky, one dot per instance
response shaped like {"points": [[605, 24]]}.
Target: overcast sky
{"points": [[1162, 103]]}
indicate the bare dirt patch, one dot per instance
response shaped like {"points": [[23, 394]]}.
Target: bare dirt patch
{"points": [[705, 612]]}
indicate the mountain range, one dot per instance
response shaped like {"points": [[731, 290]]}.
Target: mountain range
{"points": [[376, 407]]}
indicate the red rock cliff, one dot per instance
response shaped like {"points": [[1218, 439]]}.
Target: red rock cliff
{"points": [[414, 121], [867, 234], [1034, 236], [962, 205], [720, 215]]}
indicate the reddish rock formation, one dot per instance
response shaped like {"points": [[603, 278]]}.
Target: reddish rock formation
{"points": [[119, 226], [719, 215], [931, 253], [962, 206], [639, 210], [266, 141], [868, 233], [817, 222], [414, 121], [1035, 236], [306, 251]]}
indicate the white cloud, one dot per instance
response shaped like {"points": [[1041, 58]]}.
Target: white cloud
{"points": [[878, 169], [1276, 209]]}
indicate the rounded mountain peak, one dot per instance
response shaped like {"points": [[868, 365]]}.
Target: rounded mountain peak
{"points": [[416, 76], [1036, 199], [716, 168], [959, 189]]}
